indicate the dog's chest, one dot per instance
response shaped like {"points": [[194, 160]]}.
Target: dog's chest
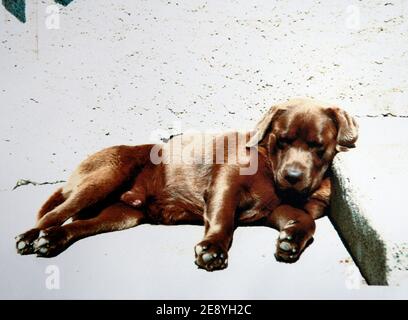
{"points": [[257, 203], [182, 197]]}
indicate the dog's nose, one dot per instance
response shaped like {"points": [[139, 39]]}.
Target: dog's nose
{"points": [[293, 175]]}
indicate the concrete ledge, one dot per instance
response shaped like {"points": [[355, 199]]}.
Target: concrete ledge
{"points": [[369, 200]]}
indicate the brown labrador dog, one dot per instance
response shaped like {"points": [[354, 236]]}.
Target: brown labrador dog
{"points": [[276, 176]]}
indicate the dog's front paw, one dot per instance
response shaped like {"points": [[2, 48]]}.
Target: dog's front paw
{"points": [[210, 256], [24, 241], [292, 241], [50, 242]]}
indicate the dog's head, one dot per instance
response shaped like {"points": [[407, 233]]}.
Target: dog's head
{"points": [[301, 137]]}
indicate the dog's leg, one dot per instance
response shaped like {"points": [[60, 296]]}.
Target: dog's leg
{"points": [[54, 201], [297, 226], [320, 199], [296, 229], [52, 241], [94, 179], [75, 202], [24, 241], [92, 188], [219, 222]]}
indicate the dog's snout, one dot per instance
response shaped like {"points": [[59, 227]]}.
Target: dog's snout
{"points": [[293, 175]]}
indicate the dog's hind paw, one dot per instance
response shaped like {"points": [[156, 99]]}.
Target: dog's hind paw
{"points": [[50, 242], [24, 241]]}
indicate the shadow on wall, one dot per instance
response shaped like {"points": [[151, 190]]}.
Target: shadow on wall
{"points": [[17, 7]]}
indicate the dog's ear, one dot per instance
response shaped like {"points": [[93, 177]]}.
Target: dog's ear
{"points": [[265, 125], [347, 128]]}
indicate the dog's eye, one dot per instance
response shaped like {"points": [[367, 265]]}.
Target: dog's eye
{"points": [[315, 145], [283, 142], [320, 152]]}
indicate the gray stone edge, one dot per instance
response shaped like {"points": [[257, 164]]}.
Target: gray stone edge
{"points": [[366, 246]]}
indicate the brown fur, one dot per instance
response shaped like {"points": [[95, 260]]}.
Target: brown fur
{"points": [[55, 200], [293, 147]]}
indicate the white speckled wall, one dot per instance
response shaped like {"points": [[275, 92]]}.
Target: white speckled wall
{"points": [[117, 70]]}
